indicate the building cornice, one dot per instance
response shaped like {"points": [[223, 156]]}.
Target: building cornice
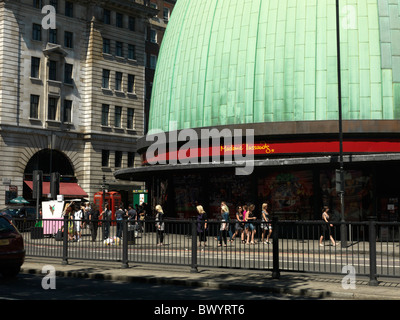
{"points": [[129, 5]]}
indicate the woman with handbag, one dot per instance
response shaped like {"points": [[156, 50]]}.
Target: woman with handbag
{"points": [[326, 227], [239, 223], [250, 218]]}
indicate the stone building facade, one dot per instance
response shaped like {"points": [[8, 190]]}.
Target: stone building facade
{"points": [[71, 98]]}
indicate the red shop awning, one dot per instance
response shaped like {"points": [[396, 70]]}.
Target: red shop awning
{"points": [[67, 189]]}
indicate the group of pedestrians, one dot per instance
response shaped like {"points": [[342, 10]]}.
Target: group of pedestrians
{"points": [[132, 215], [75, 215], [244, 225], [89, 216]]}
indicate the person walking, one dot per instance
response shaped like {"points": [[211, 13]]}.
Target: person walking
{"points": [[239, 223], [160, 226], [224, 227], [106, 221], [265, 224], [94, 215], [86, 215], [120, 214], [251, 229], [69, 213], [78, 216], [326, 227], [201, 225], [132, 215]]}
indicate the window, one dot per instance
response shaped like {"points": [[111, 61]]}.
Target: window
{"points": [[118, 159], [106, 46], [117, 118], [52, 109], [131, 52], [105, 79], [118, 48], [132, 24], [37, 4], [131, 159], [105, 157], [153, 61], [53, 36], [130, 119], [34, 109], [118, 81], [106, 16], [67, 115], [35, 67], [119, 20], [166, 14], [69, 9], [36, 32], [131, 83], [68, 73], [105, 108], [54, 3], [68, 39], [153, 36], [53, 70]]}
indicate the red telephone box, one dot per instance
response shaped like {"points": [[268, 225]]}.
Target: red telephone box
{"points": [[113, 199]]}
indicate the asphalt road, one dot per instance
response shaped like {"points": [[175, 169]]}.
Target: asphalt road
{"points": [[29, 287]]}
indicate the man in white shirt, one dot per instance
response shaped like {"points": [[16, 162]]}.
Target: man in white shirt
{"points": [[78, 216]]}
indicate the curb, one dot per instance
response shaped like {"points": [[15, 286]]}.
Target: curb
{"points": [[274, 287], [191, 283]]}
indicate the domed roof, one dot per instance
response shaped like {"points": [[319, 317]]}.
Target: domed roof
{"points": [[249, 61]]}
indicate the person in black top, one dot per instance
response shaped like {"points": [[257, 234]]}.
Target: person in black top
{"points": [[106, 221], [94, 221], [201, 225], [132, 215], [160, 226]]}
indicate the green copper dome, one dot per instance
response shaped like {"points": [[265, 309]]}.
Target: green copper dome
{"points": [[247, 61]]}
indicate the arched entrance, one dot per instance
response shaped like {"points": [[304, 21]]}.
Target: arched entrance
{"points": [[49, 161]]}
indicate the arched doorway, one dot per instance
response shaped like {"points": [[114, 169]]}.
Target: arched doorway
{"points": [[49, 161]]}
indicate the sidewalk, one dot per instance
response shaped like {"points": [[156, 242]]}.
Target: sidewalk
{"points": [[307, 285]]}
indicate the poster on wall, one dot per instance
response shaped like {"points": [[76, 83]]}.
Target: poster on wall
{"points": [[357, 194], [289, 194], [187, 194], [52, 216], [233, 190]]}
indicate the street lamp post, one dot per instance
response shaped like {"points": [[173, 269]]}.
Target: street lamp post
{"points": [[103, 189], [343, 232]]}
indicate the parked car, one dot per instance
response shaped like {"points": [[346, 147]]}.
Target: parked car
{"points": [[12, 251], [23, 217]]}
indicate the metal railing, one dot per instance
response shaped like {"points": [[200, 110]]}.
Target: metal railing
{"points": [[372, 248]]}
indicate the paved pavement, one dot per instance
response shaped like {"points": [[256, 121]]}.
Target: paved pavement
{"points": [[322, 286]]}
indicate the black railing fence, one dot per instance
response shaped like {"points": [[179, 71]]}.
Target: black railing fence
{"points": [[371, 248]]}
